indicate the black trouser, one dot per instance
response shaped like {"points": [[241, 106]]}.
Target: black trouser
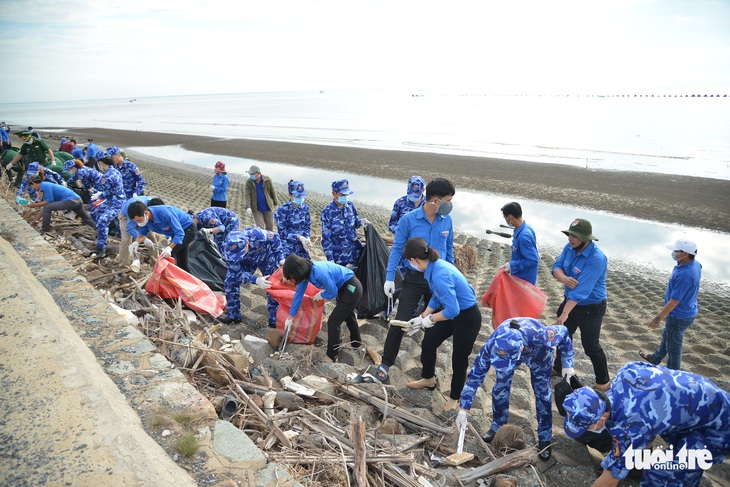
{"points": [[588, 318], [464, 328], [219, 204], [180, 252], [347, 298], [414, 286]]}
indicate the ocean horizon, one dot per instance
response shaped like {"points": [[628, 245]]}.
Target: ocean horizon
{"points": [[668, 135]]}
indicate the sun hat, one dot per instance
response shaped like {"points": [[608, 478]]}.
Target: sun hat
{"points": [[583, 408], [582, 229], [684, 245], [296, 189], [506, 347], [220, 166], [254, 169], [415, 186], [342, 186]]}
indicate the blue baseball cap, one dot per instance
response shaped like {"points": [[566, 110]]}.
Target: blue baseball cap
{"points": [[33, 169], [69, 164], [112, 151], [415, 186], [507, 347], [296, 189], [342, 186], [583, 408]]}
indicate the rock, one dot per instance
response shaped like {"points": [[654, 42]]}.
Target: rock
{"points": [[390, 427], [217, 403], [335, 370], [233, 444], [323, 387], [274, 338], [502, 480], [166, 433]]}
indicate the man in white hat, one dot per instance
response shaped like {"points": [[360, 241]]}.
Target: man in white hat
{"points": [[680, 304]]}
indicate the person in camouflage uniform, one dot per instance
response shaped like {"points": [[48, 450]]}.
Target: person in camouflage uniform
{"points": [[134, 183], [35, 169], [517, 341], [406, 204], [339, 224], [218, 221], [644, 401], [294, 222], [245, 251], [108, 201]]}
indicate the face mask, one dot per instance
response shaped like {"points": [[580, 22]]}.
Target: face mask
{"points": [[675, 256], [413, 199], [29, 141], [444, 208], [252, 177], [144, 223], [298, 201], [342, 200], [597, 432]]}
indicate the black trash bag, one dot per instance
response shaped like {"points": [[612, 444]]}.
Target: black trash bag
{"points": [[371, 270], [205, 262], [562, 389]]}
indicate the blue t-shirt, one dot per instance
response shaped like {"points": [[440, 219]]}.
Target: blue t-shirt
{"points": [[261, 203], [325, 275], [684, 285], [525, 259], [589, 269], [449, 289], [169, 221], [131, 224], [55, 192]]}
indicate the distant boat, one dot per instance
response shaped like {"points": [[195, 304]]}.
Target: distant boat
{"points": [[133, 99]]}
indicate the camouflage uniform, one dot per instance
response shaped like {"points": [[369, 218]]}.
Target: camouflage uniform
{"points": [[292, 222], [132, 179], [264, 252], [216, 217], [51, 177], [532, 344], [685, 409], [112, 191], [339, 238]]}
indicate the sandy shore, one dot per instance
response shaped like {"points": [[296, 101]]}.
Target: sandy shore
{"points": [[633, 297]]}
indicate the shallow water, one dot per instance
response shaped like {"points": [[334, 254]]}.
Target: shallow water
{"points": [[633, 242]]}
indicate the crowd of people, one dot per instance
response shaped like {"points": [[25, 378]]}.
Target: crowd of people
{"points": [[106, 191]]}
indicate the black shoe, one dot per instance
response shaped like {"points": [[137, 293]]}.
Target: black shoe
{"points": [[227, 321], [272, 325], [545, 450], [489, 436], [101, 254]]}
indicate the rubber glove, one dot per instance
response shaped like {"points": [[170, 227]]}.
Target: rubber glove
{"points": [[365, 222], [462, 419], [263, 283], [207, 231], [249, 212], [133, 248], [96, 196], [7, 168], [568, 372], [134, 195], [428, 322], [166, 252], [389, 288], [64, 184], [149, 243], [289, 323], [318, 296], [506, 268]]}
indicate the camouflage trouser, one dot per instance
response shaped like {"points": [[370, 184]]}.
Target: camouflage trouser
{"points": [[105, 215], [232, 288]]}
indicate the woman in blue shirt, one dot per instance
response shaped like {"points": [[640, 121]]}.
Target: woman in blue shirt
{"points": [[334, 280], [452, 310], [219, 188]]}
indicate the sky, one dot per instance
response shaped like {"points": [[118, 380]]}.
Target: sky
{"points": [[91, 49]]}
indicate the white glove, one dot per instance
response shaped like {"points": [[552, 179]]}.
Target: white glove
{"points": [[462, 419], [7, 168], [133, 248], [416, 324], [166, 252], [212, 187], [96, 196], [365, 222], [208, 231], [249, 212], [304, 240], [318, 296], [389, 288], [288, 323], [149, 243], [428, 322], [134, 195], [568, 372], [506, 268], [64, 184], [263, 283]]}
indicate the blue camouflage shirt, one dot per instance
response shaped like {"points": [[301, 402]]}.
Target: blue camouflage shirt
{"points": [[338, 229], [589, 269], [293, 221], [525, 259], [327, 276], [538, 343], [439, 235], [262, 244], [215, 217], [132, 178], [112, 188], [401, 206], [90, 178]]}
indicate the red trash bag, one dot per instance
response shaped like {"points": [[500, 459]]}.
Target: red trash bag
{"points": [[308, 320], [168, 281], [512, 297]]}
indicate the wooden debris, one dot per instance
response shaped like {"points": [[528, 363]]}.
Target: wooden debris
{"points": [[507, 462]]}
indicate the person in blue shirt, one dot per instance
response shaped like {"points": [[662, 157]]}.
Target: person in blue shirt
{"points": [[171, 222], [451, 311], [5, 137], [134, 183], [688, 411], [340, 222], [431, 222], [107, 201], [128, 227], [219, 188], [680, 304], [245, 251], [35, 169], [335, 281], [406, 204], [218, 221], [517, 341], [524, 259], [260, 198], [581, 268], [294, 222], [56, 197], [91, 149]]}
